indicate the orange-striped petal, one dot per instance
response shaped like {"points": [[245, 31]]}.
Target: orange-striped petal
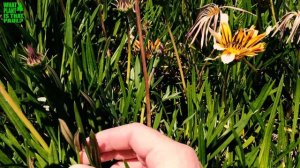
{"points": [[226, 33], [255, 40]]}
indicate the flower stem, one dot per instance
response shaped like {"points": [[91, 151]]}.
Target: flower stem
{"points": [[178, 58], [139, 28], [101, 16], [23, 118], [250, 65], [202, 70], [129, 55], [273, 12]]}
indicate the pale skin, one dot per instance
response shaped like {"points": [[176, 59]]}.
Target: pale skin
{"points": [[142, 147]]}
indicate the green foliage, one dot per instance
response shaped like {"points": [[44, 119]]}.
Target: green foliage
{"points": [[232, 115]]}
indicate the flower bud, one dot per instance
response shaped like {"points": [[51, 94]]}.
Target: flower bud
{"points": [[124, 5], [33, 58]]}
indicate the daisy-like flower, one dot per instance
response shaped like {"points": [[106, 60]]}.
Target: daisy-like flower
{"points": [[286, 23], [124, 5], [209, 17], [151, 48], [245, 42]]}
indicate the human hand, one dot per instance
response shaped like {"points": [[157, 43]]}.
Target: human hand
{"points": [[142, 147]]}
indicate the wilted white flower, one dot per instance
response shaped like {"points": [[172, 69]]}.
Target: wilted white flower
{"points": [[291, 21]]}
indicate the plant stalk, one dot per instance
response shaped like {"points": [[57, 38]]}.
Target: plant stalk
{"points": [[102, 20], [177, 58], [199, 85], [250, 65], [129, 55], [273, 12], [142, 50]]}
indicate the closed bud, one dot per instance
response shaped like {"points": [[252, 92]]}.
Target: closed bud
{"points": [[33, 58], [124, 5]]}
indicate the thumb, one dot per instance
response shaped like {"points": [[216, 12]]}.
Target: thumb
{"points": [[80, 166]]}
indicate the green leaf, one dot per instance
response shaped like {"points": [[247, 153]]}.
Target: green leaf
{"points": [[223, 143], [157, 120], [68, 39], [296, 109], [78, 119], [264, 155], [53, 156], [4, 158], [40, 161]]}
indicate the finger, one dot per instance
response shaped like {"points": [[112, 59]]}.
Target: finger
{"points": [[141, 139], [118, 155], [80, 166], [133, 163]]}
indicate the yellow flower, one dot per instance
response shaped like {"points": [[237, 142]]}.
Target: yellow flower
{"points": [[151, 48], [245, 42]]}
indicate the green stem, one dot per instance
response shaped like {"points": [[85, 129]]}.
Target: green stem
{"points": [[23, 118], [178, 58], [129, 54], [101, 16], [250, 65], [202, 70], [273, 12]]}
